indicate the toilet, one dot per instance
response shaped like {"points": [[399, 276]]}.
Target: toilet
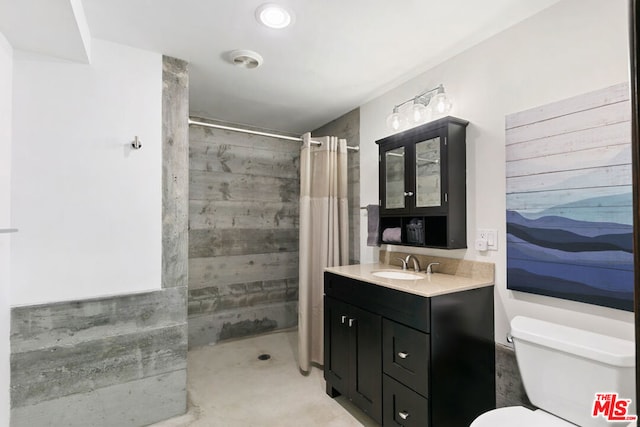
{"points": [[562, 369]]}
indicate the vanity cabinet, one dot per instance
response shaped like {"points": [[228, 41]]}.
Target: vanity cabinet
{"points": [[422, 173], [423, 361]]}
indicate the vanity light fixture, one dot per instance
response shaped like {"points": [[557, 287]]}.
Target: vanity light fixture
{"points": [[274, 16], [425, 104]]}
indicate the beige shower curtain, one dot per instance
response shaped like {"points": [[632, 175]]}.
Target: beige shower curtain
{"points": [[324, 236]]}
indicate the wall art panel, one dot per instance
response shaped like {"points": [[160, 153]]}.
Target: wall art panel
{"points": [[569, 199]]}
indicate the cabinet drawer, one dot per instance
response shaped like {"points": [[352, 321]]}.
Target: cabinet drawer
{"points": [[402, 406], [405, 355]]}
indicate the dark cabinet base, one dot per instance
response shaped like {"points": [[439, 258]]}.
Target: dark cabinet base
{"points": [[332, 392], [421, 362]]}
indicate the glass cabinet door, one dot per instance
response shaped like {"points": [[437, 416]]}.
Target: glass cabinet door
{"points": [[428, 181], [394, 178]]}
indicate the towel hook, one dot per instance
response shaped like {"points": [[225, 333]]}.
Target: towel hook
{"points": [[136, 144]]}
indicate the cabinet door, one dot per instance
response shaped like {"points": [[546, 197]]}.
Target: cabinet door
{"points": [[336, 348], [395, 196], [366, 362], [429, 186]]}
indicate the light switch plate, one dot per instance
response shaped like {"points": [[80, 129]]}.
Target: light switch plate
{"points": [[491, 236]]}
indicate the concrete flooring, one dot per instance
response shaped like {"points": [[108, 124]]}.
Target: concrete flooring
{"points": [[229, 386]]}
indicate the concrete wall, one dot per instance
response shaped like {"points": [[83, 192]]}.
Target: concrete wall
{"points": [[572, 48], [6, 78], [348, 127], [87, 205], [243, 234], [509, 388], [118, 360], [104, 362]]}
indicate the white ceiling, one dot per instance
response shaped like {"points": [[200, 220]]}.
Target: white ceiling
{"points": [[337, 55], [52, 27]]}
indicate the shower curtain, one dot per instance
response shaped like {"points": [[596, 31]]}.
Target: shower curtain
{"points": [[324, 236]]}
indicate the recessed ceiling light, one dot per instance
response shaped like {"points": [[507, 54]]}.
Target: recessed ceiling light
{"points": [[273, 16]]}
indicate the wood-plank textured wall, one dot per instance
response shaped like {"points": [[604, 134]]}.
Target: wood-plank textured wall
{"points": [[243, 234]]}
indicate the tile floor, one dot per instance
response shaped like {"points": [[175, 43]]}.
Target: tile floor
{"points": [[229, 387]]}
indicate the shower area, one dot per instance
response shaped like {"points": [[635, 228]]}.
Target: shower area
{"points": [[244, 194]]}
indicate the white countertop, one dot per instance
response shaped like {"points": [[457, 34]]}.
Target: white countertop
{"points": [[428, 285]]}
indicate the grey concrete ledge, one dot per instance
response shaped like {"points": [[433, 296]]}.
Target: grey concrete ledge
{"points": [[70, 323]]}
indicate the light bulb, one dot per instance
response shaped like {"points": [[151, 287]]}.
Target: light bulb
{"points": [[441, 104], [417, 113], [395, 120]]}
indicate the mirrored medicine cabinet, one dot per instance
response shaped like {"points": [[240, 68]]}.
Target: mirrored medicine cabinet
{"points": [[422, 174]]}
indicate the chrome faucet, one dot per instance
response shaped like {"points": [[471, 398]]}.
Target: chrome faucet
{"points": [[429, 269], [416, 263], [404, 263]]}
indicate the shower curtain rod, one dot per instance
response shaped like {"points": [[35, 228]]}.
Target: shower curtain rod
{"points": [[255, 132]]}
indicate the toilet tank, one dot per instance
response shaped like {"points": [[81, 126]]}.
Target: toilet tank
{"points": [[563, 368]]}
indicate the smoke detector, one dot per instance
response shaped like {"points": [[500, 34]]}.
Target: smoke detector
{"points": [[245, 58]]}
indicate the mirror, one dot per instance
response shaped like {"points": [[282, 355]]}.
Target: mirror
{"points": [[428, 185], [394, 170]]}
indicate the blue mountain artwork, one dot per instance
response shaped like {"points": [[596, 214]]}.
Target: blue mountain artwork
{"points": [[586, 261]]}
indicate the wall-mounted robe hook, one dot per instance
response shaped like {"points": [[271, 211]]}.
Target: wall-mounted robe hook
{"points": [[136, 144]]}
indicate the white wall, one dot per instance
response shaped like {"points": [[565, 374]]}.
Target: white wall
{"points": [[88, 206], [574, 47], [6, 73]]}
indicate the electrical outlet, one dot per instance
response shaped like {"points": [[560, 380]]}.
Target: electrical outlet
{"points": [[491, 237]]}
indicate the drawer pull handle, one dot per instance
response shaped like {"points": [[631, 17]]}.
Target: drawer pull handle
{"points": [[351, 322], [404, 415], [343, 319], [403, 355]]}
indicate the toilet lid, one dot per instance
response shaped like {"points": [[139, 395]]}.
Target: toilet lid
{"points": [[518, 416]]}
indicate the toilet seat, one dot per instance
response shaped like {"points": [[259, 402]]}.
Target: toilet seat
{"points": [[518, 416]]}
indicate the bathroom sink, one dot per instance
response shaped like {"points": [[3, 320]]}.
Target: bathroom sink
{"points": [[399, 275]]}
